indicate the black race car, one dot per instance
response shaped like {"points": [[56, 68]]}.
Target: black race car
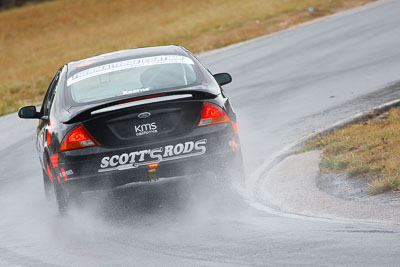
{"points": [[134, 115]]}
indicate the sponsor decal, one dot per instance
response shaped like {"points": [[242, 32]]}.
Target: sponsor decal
{"points": [[65, 173], [135, 159], [127, 64], [145, 128], [136, 91]]}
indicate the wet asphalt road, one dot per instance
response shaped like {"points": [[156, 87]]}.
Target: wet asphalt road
{"points": [[285, 86]]}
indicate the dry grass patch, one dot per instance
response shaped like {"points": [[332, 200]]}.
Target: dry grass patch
{"points": [[36, 40], [369, 150]]}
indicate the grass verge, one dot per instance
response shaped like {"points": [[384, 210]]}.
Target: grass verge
{"points": [[36, 40], [370, 150]]}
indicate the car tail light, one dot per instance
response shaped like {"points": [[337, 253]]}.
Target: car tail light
{"points": [[234, 125], [48, 137], [212, 114], [77, 138], [54, 160], [48, 134]]}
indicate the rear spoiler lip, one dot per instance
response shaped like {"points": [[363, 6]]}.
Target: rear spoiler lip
{"points": [[155, 99], [82, 115]]}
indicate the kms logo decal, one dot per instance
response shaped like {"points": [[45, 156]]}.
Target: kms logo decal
{"points": [[145, 128]]}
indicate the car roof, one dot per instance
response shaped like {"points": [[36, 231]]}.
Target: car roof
{"points": [[75, 66]]}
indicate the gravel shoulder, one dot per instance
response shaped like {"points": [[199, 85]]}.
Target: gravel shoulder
{"points": [[295, 186], [355, 189]]}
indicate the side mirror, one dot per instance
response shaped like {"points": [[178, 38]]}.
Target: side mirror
{"points": [[223, 78], [28, 112]]}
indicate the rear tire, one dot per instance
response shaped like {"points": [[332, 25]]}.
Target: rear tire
{"points": [[48, 187], [61, 198], [76, 198], [232, 173]]}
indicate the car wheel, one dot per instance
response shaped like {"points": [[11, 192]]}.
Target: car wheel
{"points": [[232, 173], [76, 198], [61, 198], [48, 187]]}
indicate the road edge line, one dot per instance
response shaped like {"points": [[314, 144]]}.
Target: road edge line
{"points": [[252, 186]]}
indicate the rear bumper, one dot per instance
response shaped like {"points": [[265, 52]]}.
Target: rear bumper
{"points": [[185, 167], [206, 149]]}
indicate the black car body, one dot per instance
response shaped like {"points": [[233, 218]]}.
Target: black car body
{"points": [[134, 115]]}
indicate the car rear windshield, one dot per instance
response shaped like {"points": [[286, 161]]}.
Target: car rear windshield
{"points": [[130, 77]]}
